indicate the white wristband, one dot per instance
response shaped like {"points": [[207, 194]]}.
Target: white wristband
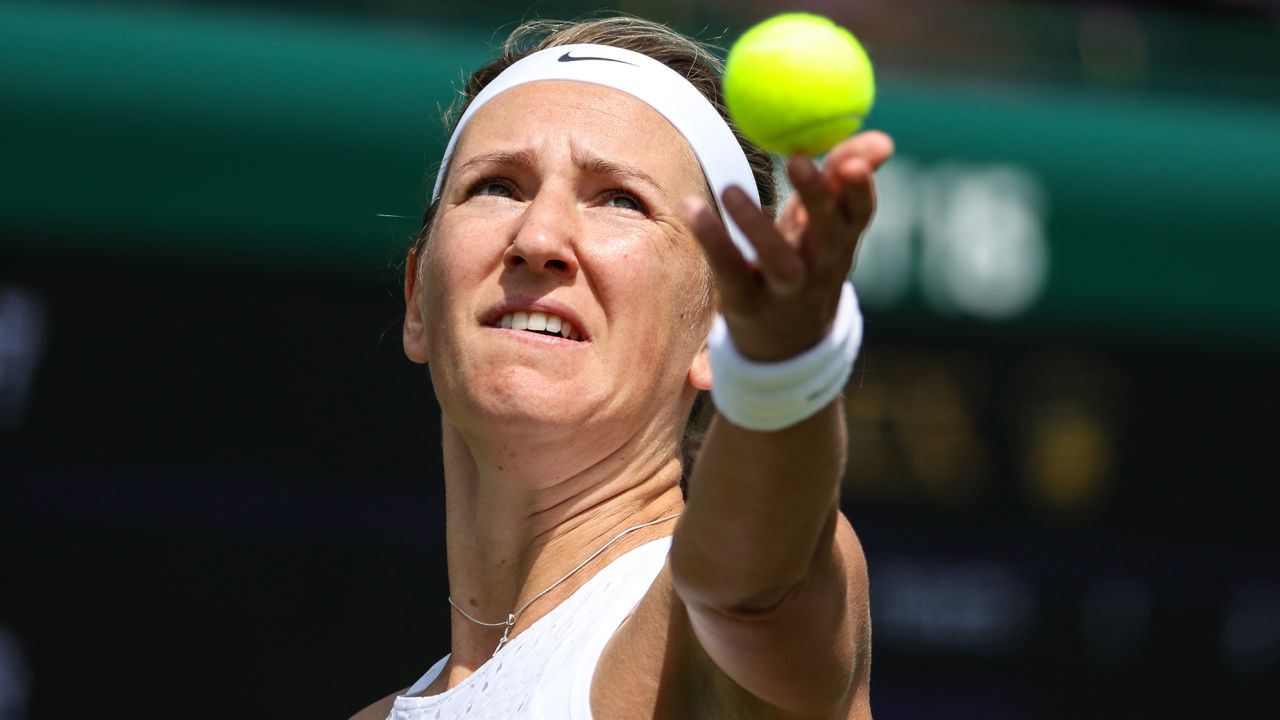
{"points": [[771, 396]]}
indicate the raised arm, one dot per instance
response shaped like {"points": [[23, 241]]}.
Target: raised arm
{"points": [[769, 570]]}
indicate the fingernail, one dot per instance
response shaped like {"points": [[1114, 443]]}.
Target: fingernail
{"points": [[691, 206], [734, 196], [855, 167]]}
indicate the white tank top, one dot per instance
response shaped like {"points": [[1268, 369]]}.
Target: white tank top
{"points": [[545, 672]]}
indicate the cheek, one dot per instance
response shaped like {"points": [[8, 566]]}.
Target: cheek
{"points": [[439, 302], [692, 289], [457, 257], [658, 293]]}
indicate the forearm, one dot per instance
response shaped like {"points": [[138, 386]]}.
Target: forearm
{"points": [[759, 505]]}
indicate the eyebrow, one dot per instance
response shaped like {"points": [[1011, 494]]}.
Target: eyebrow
{"points": [[600, 166], [511, 158]]}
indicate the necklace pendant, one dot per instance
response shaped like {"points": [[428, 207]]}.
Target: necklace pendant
{"points": [[506, 631]]}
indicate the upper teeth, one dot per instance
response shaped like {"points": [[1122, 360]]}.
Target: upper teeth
{"points": [[539, 321]]}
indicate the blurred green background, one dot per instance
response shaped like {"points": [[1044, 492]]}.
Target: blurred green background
{"points": [[218, 475]]}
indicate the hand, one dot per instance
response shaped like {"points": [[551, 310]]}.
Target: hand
{"points": [[783, 303]]}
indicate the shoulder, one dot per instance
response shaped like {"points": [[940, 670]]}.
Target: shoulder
{"points": [[380, 709], [656, 665]]}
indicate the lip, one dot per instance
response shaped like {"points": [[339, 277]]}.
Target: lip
{"points": [[533, 338], [493, 316]]}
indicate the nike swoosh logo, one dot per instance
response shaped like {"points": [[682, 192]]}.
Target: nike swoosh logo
{"points": [[569, 58]]}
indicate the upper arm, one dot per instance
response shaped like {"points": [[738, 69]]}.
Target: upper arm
{"points": [[810, 652]]}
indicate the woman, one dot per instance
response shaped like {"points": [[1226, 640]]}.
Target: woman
{"points": [[571, 264]]}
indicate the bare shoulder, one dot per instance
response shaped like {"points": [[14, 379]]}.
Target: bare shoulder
{"points": [[655, 666], [380, 709]]}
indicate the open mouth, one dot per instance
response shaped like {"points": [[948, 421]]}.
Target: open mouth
{"points": [[540, 323]]}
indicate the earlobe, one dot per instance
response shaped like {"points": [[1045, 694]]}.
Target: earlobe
{"points": [[415, 330], [700, 370]]}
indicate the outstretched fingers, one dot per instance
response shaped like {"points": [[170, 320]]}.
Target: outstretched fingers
{"points": [[822, 231], [857, 192], [732, 272], [778, 260], [871, 145], [849, 168]]}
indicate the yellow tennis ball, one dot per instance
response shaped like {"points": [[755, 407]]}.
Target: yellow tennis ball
{"points": [[798, 83]]}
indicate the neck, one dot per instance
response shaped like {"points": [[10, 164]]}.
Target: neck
{"points": [[522, 515]]}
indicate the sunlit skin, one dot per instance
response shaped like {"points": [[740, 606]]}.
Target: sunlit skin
{"points": [[533, 213], [584, 200], [551, 446]]}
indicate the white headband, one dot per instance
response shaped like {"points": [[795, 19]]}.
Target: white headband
{"points": [[650, 81]]}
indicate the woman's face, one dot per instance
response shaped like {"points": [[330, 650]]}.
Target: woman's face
{"points": [[563, 201]]}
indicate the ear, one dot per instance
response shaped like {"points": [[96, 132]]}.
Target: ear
{"points": [[700, 370], [415, 330]]}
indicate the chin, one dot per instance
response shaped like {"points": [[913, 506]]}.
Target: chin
{"points": [[520, 401]]}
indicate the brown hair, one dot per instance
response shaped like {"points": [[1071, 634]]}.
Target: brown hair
{"points": [[696, 61]]}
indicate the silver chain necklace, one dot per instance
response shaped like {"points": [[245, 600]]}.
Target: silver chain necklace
{"points": [[507, 624]]}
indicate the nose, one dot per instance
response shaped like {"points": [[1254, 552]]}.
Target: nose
{"points": [[544, 241]]}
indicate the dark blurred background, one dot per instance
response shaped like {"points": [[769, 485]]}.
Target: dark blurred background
{"points": [[219, 478]]}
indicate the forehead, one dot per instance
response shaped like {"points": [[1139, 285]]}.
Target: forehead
{"points": [[582, 116]]}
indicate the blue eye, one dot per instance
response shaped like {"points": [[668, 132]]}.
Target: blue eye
{"points": [[493, 187], [626, 202]]}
